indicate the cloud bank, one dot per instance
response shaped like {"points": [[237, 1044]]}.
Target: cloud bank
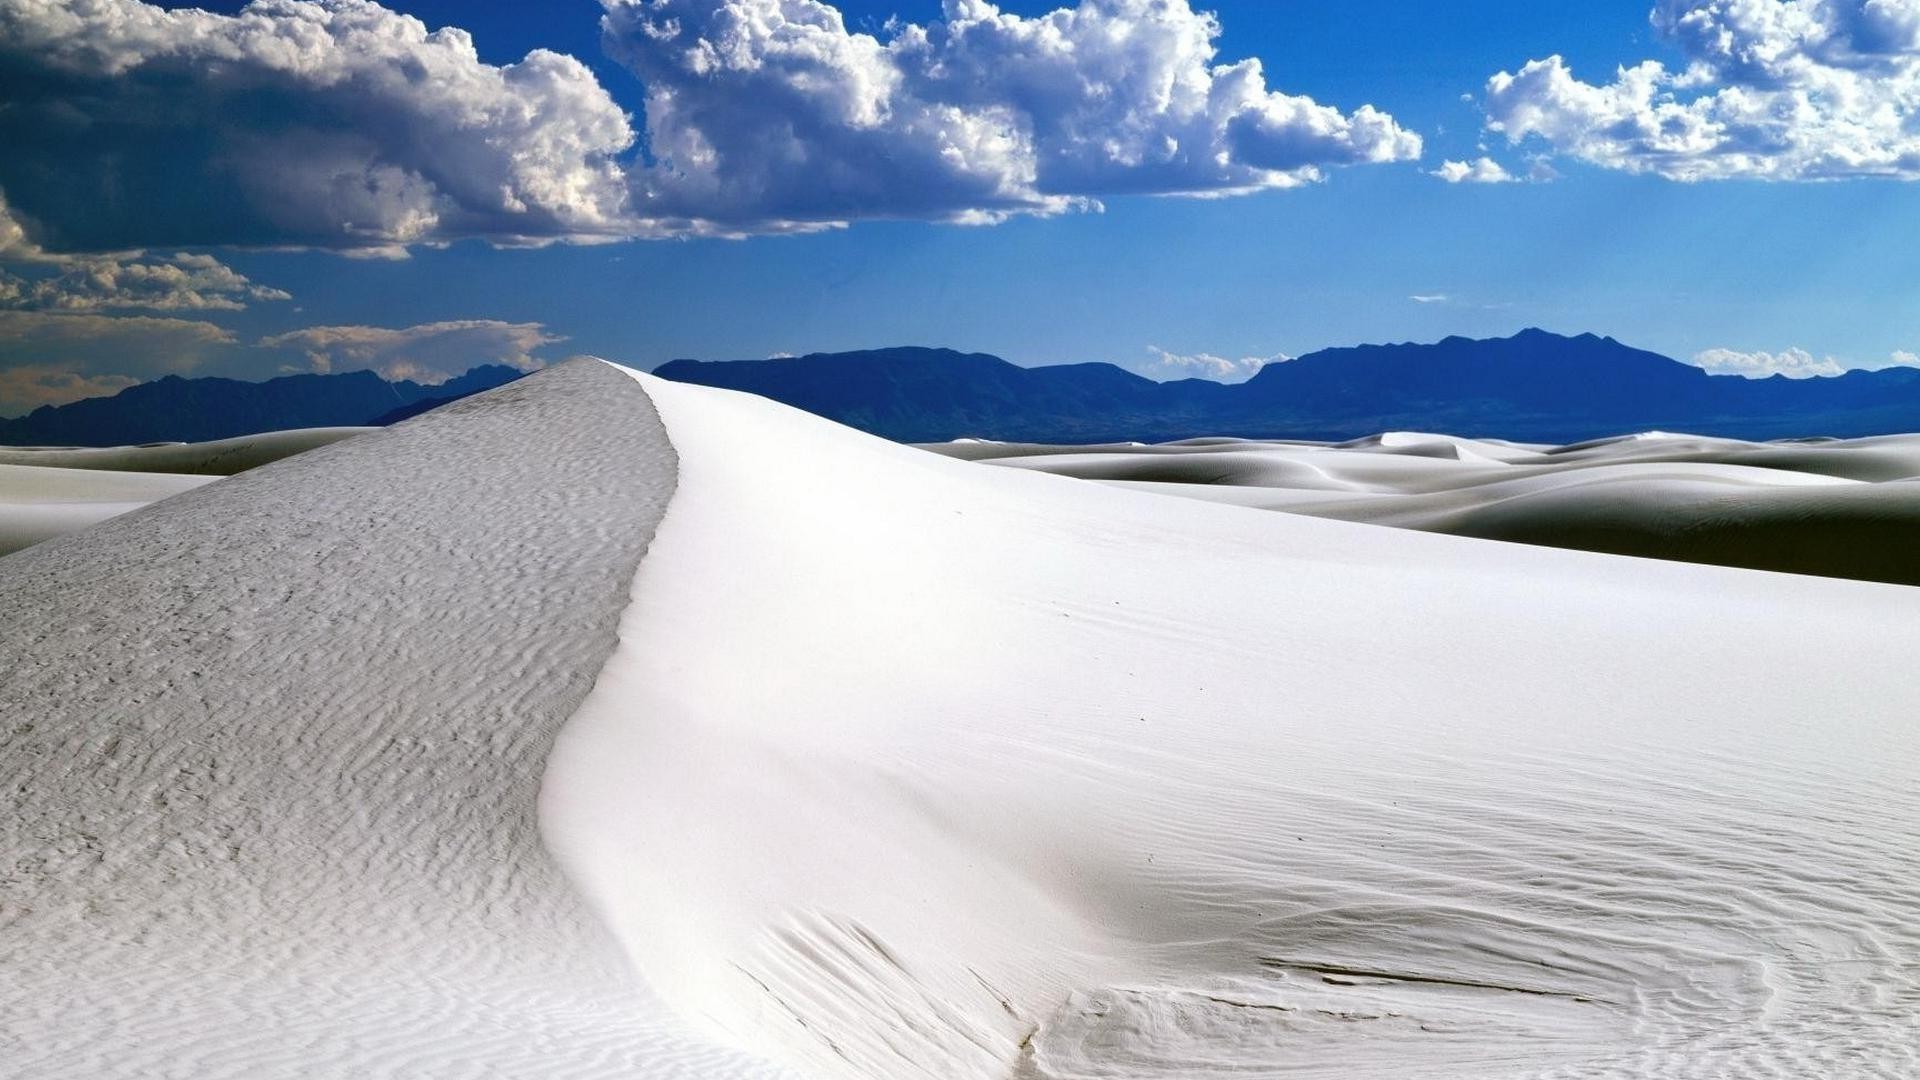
{"points": [[1794, 363], [771, 113], [340, 124], [429, 353], [1771, 90], [52, 357], [32, 277], [335, 124]]}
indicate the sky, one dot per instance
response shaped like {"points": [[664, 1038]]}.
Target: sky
{"points": [[1182, 189]]}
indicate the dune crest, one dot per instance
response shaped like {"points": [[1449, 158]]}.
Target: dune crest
{"points": [[906, 767], [272, 749]]}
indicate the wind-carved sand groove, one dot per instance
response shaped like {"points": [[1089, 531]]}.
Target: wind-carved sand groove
{"points": [[907, 767], [271, 752]]}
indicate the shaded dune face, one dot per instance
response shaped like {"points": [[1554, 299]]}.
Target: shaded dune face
{"points": [[1835, 508], [271, 751], [221, 457], [907, 767]]}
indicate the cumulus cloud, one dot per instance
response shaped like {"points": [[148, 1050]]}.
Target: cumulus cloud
{"points": [[1164, 365], [341, 124], [335, 124], [1482, 171], [1794, 363], [429, 353], [48, 358], [764, 114], [32, 277], [1771, 89], [179, 282]]}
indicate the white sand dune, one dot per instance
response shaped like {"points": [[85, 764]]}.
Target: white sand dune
{"points": [[906, 767], [39, 503], [903, 766], [271, 753], [1836, 508], [50, 492], [220, 457]]}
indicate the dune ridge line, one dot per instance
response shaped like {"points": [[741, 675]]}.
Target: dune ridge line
{"points": [[273, 749]]}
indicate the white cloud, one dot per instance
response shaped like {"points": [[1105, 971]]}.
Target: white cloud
{"points": [[31, 277], [1794, 363], [428, 353], [1772, 89], [1166, 365], [1482, 171], [179, 282], [771, 114], [1429, 298], [340, 124], [332, 124]]}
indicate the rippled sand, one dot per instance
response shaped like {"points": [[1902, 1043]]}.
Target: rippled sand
{"points": [[912, 767], [398, 758]]}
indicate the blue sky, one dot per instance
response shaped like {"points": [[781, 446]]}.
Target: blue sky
{"points": [[1665, 220]]}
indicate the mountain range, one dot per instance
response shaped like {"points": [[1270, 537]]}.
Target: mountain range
{"points": [[1534, 386], [176, 409]]}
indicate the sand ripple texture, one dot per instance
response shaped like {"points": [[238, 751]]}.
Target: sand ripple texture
{"points": [[908, 767], [1839, 508], [271, 752]]}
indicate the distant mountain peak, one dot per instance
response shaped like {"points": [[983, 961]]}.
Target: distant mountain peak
{"points": [[174, 408], [1533, 385]]}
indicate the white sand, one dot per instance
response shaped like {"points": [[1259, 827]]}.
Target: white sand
{"points": [[46, 493], [1836, 508], [907, 767], [220, 457], [39, 503], [271, 751]]}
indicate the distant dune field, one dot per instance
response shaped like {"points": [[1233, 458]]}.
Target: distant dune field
{"points": [[1839, 508], [601, 726]]}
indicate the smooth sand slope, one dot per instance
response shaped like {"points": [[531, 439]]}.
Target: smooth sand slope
{"points": [[46, 493], [221, 457], [1836, 508], [271, 751], [908, 767], [38, 503]]}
